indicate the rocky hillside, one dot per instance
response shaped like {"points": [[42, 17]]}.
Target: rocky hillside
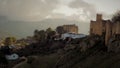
{"points": [[90, 52]]}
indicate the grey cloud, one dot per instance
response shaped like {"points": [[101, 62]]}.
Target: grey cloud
{"points": [[86, 8], [36, 10], [26, 9], [82, 10]]}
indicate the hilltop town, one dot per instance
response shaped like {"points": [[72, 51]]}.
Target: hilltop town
{"points": [[64, 47]]}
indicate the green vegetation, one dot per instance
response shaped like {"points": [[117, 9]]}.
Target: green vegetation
{"points": [[116, 17], [9, 40]]}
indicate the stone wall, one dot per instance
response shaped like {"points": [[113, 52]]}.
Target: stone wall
{"points": [[108, 33]]}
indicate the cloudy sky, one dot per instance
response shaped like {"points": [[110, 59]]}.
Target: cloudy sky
{"points": [[38, 10], [35, 10]]}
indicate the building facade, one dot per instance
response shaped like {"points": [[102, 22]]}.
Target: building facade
{"points": [[70, 28], [104, 27]]}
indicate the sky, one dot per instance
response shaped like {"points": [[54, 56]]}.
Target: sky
{"points": [[38, 10]]}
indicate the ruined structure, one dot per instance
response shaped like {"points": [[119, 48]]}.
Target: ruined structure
{"points": [[70, 28], [105, 28], [67, 29]]}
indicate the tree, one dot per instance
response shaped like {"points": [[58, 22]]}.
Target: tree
{"points": [[60, 30], [36, 34], [39, 35], [9, 40], [50, 33], [42, 35], [116, 17], [48, 30]]}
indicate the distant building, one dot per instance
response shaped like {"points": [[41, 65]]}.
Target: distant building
{"points": [[70, 28], [1, 42], [104, 27], [67, 29], [72, 35]]}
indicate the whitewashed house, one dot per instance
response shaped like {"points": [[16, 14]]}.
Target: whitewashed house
{"points": [[72, 35], [12, 56]]}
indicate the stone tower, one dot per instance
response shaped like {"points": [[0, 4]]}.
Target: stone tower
{"points": [[105, 28]]}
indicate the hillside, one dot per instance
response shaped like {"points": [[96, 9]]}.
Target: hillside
{"points": [[93, 58], [92, 54]]}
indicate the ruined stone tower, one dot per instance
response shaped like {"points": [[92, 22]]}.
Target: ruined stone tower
{"points": [[98, 27], [104, 28]]}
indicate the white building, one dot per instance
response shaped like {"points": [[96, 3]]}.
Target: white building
{"points": [[72, 35], [13, 56]]}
